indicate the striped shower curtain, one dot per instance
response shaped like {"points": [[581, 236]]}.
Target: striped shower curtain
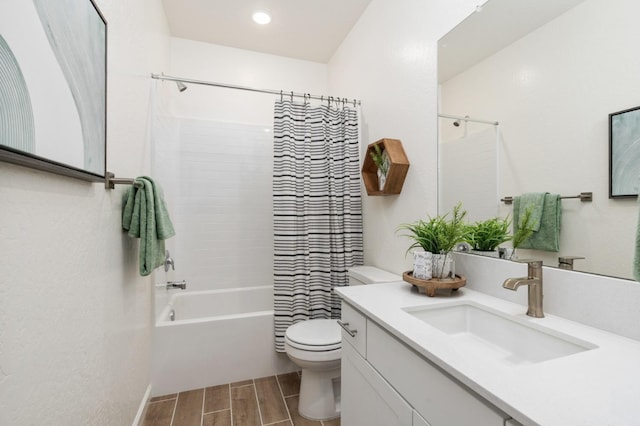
{"points": [[317, 210]]}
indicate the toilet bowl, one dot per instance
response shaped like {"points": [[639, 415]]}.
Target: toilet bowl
{"points": [[316, 347]]}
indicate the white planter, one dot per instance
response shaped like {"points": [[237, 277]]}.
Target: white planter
{"points": [[382, 179], [422, 265], [443, 266]]}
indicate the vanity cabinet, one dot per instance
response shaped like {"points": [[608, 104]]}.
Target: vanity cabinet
{"points": [[366, 398], [387, 383]]}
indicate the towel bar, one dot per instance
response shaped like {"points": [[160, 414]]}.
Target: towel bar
{"points": [[110, 181], [584, 196]]}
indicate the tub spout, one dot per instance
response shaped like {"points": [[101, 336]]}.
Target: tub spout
{"points": [[177, 284]]}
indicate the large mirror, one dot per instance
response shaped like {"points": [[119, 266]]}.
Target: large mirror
{"points": [[53, 86], [550, 72]]}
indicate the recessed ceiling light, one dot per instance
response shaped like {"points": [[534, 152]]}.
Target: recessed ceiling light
{"points": [[261, 17]]}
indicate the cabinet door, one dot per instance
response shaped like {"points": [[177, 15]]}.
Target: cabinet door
{"points": [[367, 399], [438, 397]]}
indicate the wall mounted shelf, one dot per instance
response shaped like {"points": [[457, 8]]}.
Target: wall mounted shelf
{"points": [[398, 167]]}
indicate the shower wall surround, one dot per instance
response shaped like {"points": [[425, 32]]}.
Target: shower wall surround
{"points": [[217, 178], [212, 154]]}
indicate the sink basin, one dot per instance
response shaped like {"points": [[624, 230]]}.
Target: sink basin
{"points": [[484, 332]]}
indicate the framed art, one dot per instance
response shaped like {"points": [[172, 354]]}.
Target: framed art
{"points": [[624, 153], [53, 81]]}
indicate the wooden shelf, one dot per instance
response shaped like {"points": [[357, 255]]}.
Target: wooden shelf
{"points": [[399, 165]]}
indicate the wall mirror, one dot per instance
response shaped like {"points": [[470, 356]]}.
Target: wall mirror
{"points": [[550, 72], [53, 86]]}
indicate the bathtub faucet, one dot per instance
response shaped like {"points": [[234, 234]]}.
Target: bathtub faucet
{"points": [[177, 284]]}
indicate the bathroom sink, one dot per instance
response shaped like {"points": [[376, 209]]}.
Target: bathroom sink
{"points": [[484, 332]]}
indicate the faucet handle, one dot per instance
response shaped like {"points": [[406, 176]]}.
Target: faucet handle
{"points": [[531, 262], [168, 262]]}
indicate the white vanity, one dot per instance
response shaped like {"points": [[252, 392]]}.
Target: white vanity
{"points": [[473, 359]]}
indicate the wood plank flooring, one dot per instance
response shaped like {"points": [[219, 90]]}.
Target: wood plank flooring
{"points": [[267, 401]]}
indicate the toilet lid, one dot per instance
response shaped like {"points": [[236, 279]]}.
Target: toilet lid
{"points": [[315, 335]]}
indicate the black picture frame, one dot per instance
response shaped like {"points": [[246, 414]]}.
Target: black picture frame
{"points": [[624, 153], [75, 43]]}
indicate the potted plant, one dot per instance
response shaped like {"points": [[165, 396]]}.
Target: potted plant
{"points": [[438, 235], [485, 236], [381, 160]]}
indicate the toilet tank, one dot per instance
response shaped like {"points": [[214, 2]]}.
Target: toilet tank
{"points": [[359, 275]]}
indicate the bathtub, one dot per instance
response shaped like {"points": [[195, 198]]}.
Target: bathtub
{"points": [[216, 337]]}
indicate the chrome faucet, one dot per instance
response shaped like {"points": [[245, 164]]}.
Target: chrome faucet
{"points": [[534, 281], [177, 284]]}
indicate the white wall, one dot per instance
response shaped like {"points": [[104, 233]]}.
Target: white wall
{"points": [[389, 61], [552, 92], [75, 316], [217, 168]]}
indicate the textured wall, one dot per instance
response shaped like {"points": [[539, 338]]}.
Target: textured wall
{"points": [[389, 60], [75, 317]]}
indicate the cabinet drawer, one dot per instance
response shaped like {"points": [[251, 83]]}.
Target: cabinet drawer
{"points": [[367, 399], [436, 396], [354, 329]]}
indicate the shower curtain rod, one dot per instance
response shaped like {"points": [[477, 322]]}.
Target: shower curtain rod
{"points": [[475, 120], [282, 93]]}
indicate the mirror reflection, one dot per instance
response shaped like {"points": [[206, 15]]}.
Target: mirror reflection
{"points": [[551, 89]]}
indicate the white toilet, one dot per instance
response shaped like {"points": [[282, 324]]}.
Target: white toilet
{"points": [[316, 347]]}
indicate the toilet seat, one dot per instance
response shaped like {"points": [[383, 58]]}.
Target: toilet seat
{"points": [[318, 335]]}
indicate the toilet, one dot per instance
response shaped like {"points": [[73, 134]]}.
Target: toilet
{"points": [[316, 347]]}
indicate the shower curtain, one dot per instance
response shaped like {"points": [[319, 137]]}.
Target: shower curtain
{"points": [[317, 210]]}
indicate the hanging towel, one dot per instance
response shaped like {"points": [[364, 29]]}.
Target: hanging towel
{"points": [[536, 201], [547, 237], [145, 216]]}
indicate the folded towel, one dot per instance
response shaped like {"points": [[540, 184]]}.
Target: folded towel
{"points": [[145, 216], [547, 237], [536, 201]]}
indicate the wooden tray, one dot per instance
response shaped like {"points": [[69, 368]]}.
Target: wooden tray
{"points": [[430, 286]]}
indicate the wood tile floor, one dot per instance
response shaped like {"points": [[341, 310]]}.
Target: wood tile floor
{"points": [[271, 401]]}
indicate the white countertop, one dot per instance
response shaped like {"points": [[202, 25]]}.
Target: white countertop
{"points": [[600, 386]]}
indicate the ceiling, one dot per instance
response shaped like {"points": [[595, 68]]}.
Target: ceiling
{"points": [[311, 30], [494, 26]]}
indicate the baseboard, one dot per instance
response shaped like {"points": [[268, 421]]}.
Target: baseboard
{"points": [[143, 407]]}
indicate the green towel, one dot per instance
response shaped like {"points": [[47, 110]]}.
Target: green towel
{"points": [[547, 237], [536, 201], [145, 216]]}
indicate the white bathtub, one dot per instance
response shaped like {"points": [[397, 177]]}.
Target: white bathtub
{"points": [[218, 336]]}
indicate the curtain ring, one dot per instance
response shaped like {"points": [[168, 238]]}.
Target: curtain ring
{"points": [[354, 103], [309, 97], [292, 96], [281, 96], [321, 99]]}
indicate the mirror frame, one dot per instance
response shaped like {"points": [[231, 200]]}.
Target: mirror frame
{"points": [[22, 158]]}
